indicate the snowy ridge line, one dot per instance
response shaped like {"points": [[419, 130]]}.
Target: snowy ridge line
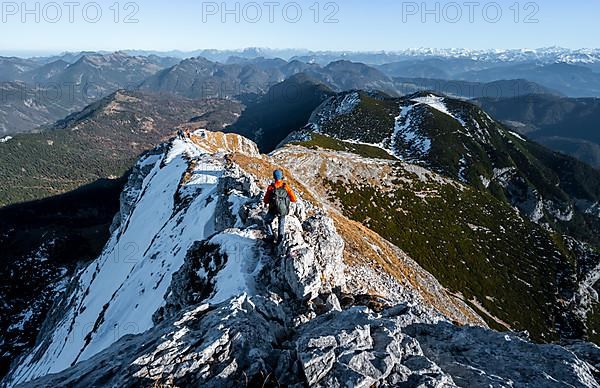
{"points": [[518, 136], [545, 55], [437, 103], [131, 265]]}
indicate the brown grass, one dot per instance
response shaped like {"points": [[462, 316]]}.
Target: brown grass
{"points": [[359, 240], [263, 169], [359, 251], [219, 141]]}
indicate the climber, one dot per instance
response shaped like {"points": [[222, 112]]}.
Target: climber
{"points": [[278, 197]]}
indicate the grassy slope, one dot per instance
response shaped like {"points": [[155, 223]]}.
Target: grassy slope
{"points": [[472, 242], [102, 141], [368, 151]]}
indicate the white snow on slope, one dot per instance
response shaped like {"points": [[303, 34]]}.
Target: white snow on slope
{"points": [[5, 139], [242, 267], [586, 295], [348, 104], [594, 209], [517, 135], [333, 107], [113, 298], [486, 182], [405, 129], [23, 321], [378, 145], [437, 103], [473, 129]]}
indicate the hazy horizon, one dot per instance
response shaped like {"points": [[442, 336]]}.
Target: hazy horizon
{"points": [[351, 25], [25, 53]]}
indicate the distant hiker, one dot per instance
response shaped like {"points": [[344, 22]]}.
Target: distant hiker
{"points": [[278, 197], [183, 133]]}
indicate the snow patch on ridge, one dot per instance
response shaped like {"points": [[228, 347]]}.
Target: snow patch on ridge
{"points": [[438, 104], [405, 130], [242, 267], [517, 136], [333, 107], [348, 104]]}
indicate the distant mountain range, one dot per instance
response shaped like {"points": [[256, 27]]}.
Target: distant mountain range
{"points": [[35, 92], [99, 72], [39, 93], [545, 55], [24, 108], [74, 80], [568, 125], [201, 78], [11, 68], [470, 90], [569, 79], [44, 91]]}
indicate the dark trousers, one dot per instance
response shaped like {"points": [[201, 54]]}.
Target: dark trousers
{"points": [[269, 219]]}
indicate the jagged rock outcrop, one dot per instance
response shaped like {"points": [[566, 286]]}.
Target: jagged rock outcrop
{"points": [[222, 306], [357, 347], [248, 341], [315, 250], [131, 191]]}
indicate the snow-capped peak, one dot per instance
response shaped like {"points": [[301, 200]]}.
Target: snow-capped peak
{"points": [[542, 55]]}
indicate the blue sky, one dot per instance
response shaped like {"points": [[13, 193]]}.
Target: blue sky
{"points": [[342, 25]]}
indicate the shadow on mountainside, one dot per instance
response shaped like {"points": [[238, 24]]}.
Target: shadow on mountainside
{"points": [[41, 244]]}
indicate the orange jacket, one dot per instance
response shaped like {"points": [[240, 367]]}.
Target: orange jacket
{"points": [[277, 185]]}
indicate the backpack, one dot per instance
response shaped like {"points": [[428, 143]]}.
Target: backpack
{"points": [[280, 201]]}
